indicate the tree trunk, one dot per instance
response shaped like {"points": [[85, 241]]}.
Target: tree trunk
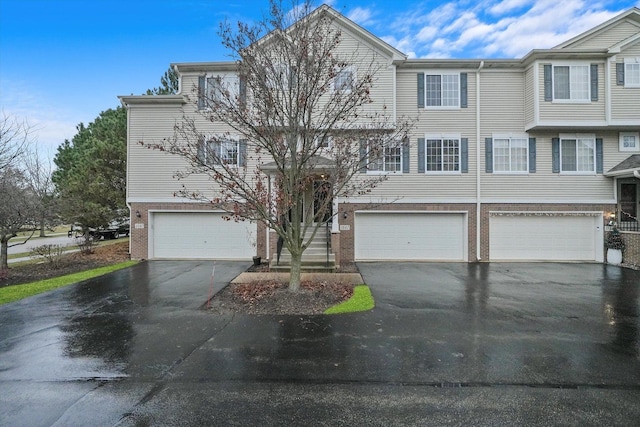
{"points": [[294, 275], [42, 221], [4, 265]]}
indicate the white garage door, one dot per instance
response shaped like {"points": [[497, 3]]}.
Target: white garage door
{"points": [[546, 237], [200, 235], [410, 236]]}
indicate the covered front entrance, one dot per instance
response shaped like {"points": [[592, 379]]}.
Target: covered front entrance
{"points": [[628, 205]]}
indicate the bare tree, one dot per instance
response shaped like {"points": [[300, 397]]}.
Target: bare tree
{"points": [[303, 125], [38, 172], [15, 137], [16, 209]]}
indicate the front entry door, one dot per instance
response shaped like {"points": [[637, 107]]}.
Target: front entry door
{"points": [[628, 203]]}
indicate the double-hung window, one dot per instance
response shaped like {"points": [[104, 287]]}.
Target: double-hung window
{"points": [[442, 154], [384, 159], [571, 83], [216, 153], [344, 80], [578, 153], [220, 88], [510, 154], [632, 74], [442, 90]]}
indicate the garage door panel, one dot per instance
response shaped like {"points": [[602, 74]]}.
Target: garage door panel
{"points": [[200, 235], [545, 238], [409, 236]]}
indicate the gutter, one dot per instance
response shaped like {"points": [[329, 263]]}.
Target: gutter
{"points": [[478, 153]]}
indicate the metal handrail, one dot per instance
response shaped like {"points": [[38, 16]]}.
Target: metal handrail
{"points": [[328, 236]]}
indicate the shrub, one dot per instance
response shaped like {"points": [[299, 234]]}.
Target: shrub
{"points": [[51, 253], [615, 240], [86, 245]]}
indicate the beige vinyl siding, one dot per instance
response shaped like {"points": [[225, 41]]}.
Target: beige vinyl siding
{"points": [[460, 121], [529, 95], [502, 102], [544, 185], [151, 172], [625, 101], [575, 113], [367, 59], [607, 38]]}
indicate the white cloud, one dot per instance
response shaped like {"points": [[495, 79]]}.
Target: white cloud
{"points": [[361, 16], [464, 29]]}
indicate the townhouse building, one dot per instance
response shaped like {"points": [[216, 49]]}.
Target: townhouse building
{"points": [[529, 159]]}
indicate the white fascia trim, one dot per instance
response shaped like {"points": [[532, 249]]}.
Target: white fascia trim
{"points": [[573, 123], [550, 202], [399, 200], [633, 123]]}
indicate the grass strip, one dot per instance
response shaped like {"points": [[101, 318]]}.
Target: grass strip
{"points": [[361, 300], [18, 292]]}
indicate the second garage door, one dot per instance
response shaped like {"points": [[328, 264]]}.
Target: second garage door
{"points": [[200, 235], [410, 236], [546, 237]]}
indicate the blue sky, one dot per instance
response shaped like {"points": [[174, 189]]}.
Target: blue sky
{"points": [[62, 62]]}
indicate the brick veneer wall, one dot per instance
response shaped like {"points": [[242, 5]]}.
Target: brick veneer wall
{"points": [[631, 254]]}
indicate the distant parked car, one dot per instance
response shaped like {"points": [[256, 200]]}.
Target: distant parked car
{"points": [[113, 231]]}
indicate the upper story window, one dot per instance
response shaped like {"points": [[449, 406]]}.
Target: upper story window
{"points": [[283, 77], [578, 153], [218, 153], [510, 154], [384, 159], [446, 90], [442, 154], [632, 74], [629, 141], [571, 82], [442, 90], [217, 88], [344, 80]]}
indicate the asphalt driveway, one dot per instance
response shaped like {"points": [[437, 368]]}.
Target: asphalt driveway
{"points": [[446, 344]]}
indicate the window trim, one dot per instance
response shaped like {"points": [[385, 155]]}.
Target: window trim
{"points": [[627, 73], [571, 100], [621, 141], [576, 136], [384, 163], [350, 69], [213, 140], [443, 73], [510, 137], [441, 137], [227, 80]]}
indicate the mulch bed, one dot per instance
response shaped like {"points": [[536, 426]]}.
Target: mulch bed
{"points": [[272, 297]]}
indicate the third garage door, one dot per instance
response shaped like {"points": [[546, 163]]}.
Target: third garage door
{"points": [[546, 237], [410, 236]]}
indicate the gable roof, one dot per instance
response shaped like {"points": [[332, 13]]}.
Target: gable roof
{"points": [[632, 15]]}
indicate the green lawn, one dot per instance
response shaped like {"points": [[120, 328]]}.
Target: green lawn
{"points": [[361, 300], [18, 292]]}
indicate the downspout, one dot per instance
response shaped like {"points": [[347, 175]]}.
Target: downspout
{"points": [[478, 153]]}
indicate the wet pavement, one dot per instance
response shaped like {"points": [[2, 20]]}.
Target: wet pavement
{"points": [[456, 344]]}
